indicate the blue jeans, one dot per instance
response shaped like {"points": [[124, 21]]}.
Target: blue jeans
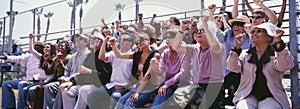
{"points": [[158, 102], [8, 97], [128, 103], [29, 91], [99, 97]]}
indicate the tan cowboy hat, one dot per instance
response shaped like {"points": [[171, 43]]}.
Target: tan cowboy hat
{"points": [[240, 18], [38, 43]]}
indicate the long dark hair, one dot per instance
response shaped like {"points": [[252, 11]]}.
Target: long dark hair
{"points": [[52, 54]]}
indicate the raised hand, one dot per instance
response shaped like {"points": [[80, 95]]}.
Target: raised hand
{"points": [[30, 35], [184, 25], [278, 33], [239, 39], [212, 8], [112, 41], [258, 2]]}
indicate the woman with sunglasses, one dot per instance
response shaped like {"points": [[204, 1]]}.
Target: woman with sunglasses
{"points": [[262, 68], [140, 96], [206, 62], [169, 69]]}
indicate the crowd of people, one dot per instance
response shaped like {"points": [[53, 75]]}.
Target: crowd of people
{"points": [[207, 63]]}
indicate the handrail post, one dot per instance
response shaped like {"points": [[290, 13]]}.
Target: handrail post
{"points": [[294, 51]]}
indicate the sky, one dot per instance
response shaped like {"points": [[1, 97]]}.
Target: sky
{"points": [[94, 11]]}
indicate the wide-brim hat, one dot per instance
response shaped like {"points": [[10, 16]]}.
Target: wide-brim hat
{"points": [[269, 27], [38, 43], [240, 18], [98, 35]]}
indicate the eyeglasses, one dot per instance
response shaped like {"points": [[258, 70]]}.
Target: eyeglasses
{"points": [[257, 17], [256, 31], [46, 46], [124, 39], [170, 37], [238, 24], [199, 31]]}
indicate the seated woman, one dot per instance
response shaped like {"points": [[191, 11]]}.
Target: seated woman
{"points": [[262, 68], [168, 67], [141, 63]]}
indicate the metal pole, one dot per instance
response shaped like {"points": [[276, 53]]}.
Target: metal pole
{"points": [[3, 43], [74, 17], [293, 49], [1, 23], [34, 15], [9, 42], [136, 10]]}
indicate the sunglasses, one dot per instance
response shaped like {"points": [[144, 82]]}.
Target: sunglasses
{"points": [[238, 24], [199, 31], [256, 31], [170, 37], [124, 39], [257, 17]]}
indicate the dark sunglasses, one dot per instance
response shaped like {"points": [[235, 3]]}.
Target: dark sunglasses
{"points": [[237, 24], [257, 17], [170, 37], [199, 31], [256, 31]]}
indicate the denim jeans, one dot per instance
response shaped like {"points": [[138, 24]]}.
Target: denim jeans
{"points": [[99, 97], [29, 91], [128, 103], [8, 97], [158, 102]]}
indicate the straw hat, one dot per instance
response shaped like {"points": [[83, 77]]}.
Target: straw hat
{"points": [[240, 18]]}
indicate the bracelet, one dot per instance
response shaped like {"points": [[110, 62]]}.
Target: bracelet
{"points": [[181, 32]]}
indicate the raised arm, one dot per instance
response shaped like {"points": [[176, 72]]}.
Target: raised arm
{"points": [[235, 9], [101, 55], [31, 48], [210, 31], [269, 13], [176, 44], [248, 5], [152, 19], [281, 14], [117, 52]]}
